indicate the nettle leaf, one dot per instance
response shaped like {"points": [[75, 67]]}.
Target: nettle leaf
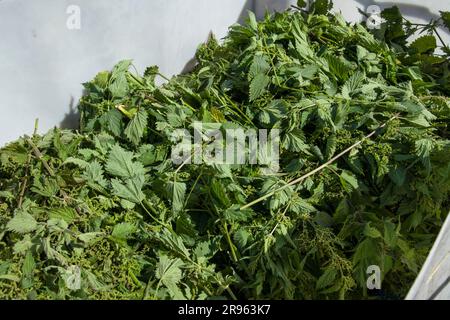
{"points": [[258, 86], [23, 245], [135, 129], [352, 84], [348, 181], [326, 278], [93, 174], [28, 264], [324, 84], [294, 141], [423, 148], [121, 67], [120, 163], [234, 214], [423, 44], [22, 222], [445, 16], [64, 213], [330, 148], [398, 176], [90, 237], [131, 190], [371, 232], [119, 86], [337, 67], [65, 143], [95, 283], [168, 271], [28, 267], [390, 234], [119, 83], [47, 188], [78, 162], [258, 66], [14, 152], [113, 121], [252, 21], [177, 192], [299, 205], [123, 230], [324, 112], [242, 237], [173, 242]]}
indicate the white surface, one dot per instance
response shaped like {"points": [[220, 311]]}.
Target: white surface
{"points": [[43, 63]]}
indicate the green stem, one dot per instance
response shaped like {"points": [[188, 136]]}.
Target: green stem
{"points": [[295, 181], [146, 206], [230, 243]]}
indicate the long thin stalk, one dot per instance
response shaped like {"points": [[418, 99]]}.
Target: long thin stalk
{"points": [[295, 181], [27, 168]]}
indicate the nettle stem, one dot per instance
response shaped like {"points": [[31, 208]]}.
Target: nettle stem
{"points": [[326, 164]]}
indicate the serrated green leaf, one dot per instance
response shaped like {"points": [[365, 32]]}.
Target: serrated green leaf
{"points": [[258, 66], [352, 84], [177, 192], [445, 16], [119, 87], [371, 232], [131, 190], [28, 264], [89, 237], [121, 67], [120, 163], [234, 214], [423, 148], [241, 237], [78, 162], [348, 181], [47, 187], [135, 128], [22, 222], [423, 44], [294, 141], [123, 230], [23, 245], [390, 234], [299, 205], [258, 86], [113, 121], [65, 213], [168, 271], [252, 21], [326, 278], [93, 174]]}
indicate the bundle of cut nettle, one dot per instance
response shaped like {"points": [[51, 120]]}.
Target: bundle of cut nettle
{"points": [[360, 179]]}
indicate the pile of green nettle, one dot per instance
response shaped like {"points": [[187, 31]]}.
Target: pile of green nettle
{"points": [[104, 213]]}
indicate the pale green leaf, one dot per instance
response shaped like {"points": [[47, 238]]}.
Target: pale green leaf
{"points": [[177, 192], [258, 86], [131, 190], [135, 128], [22, 222], [123, 230], [120, 163]]}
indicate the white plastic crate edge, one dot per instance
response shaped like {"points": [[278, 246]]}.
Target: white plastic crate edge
{"points": [[433, 281]]}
